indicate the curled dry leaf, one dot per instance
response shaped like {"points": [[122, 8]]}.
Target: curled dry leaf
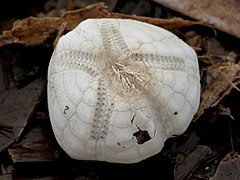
{"points": [[35, 31]]}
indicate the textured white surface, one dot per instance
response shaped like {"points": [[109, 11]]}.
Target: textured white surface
{"points": [[117, 89]]}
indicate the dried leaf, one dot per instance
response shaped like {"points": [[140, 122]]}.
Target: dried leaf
{"points": [[37, 145], [229, 168], [190, 162], [225, 111], [16, 109], [216, 86], [223, 14], [35, 31]]}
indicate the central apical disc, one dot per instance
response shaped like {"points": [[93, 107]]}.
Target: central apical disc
{"points": [[123, 75], [118, 88]]}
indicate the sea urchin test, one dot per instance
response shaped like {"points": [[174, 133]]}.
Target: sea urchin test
{"points": [[118, 88]]}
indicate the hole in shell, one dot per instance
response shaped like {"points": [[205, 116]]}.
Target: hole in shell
{"points": [[142, 136]]}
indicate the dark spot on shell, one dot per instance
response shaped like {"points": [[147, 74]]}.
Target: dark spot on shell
{"points": [[65, 110]]}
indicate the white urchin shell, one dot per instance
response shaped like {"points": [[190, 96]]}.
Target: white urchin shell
{"points": [[117, 89]]}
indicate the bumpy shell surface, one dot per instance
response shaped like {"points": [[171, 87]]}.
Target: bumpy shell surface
{"points": [[117, 89]]}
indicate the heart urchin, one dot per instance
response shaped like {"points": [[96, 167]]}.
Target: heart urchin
{"points": [[117, 89]]}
